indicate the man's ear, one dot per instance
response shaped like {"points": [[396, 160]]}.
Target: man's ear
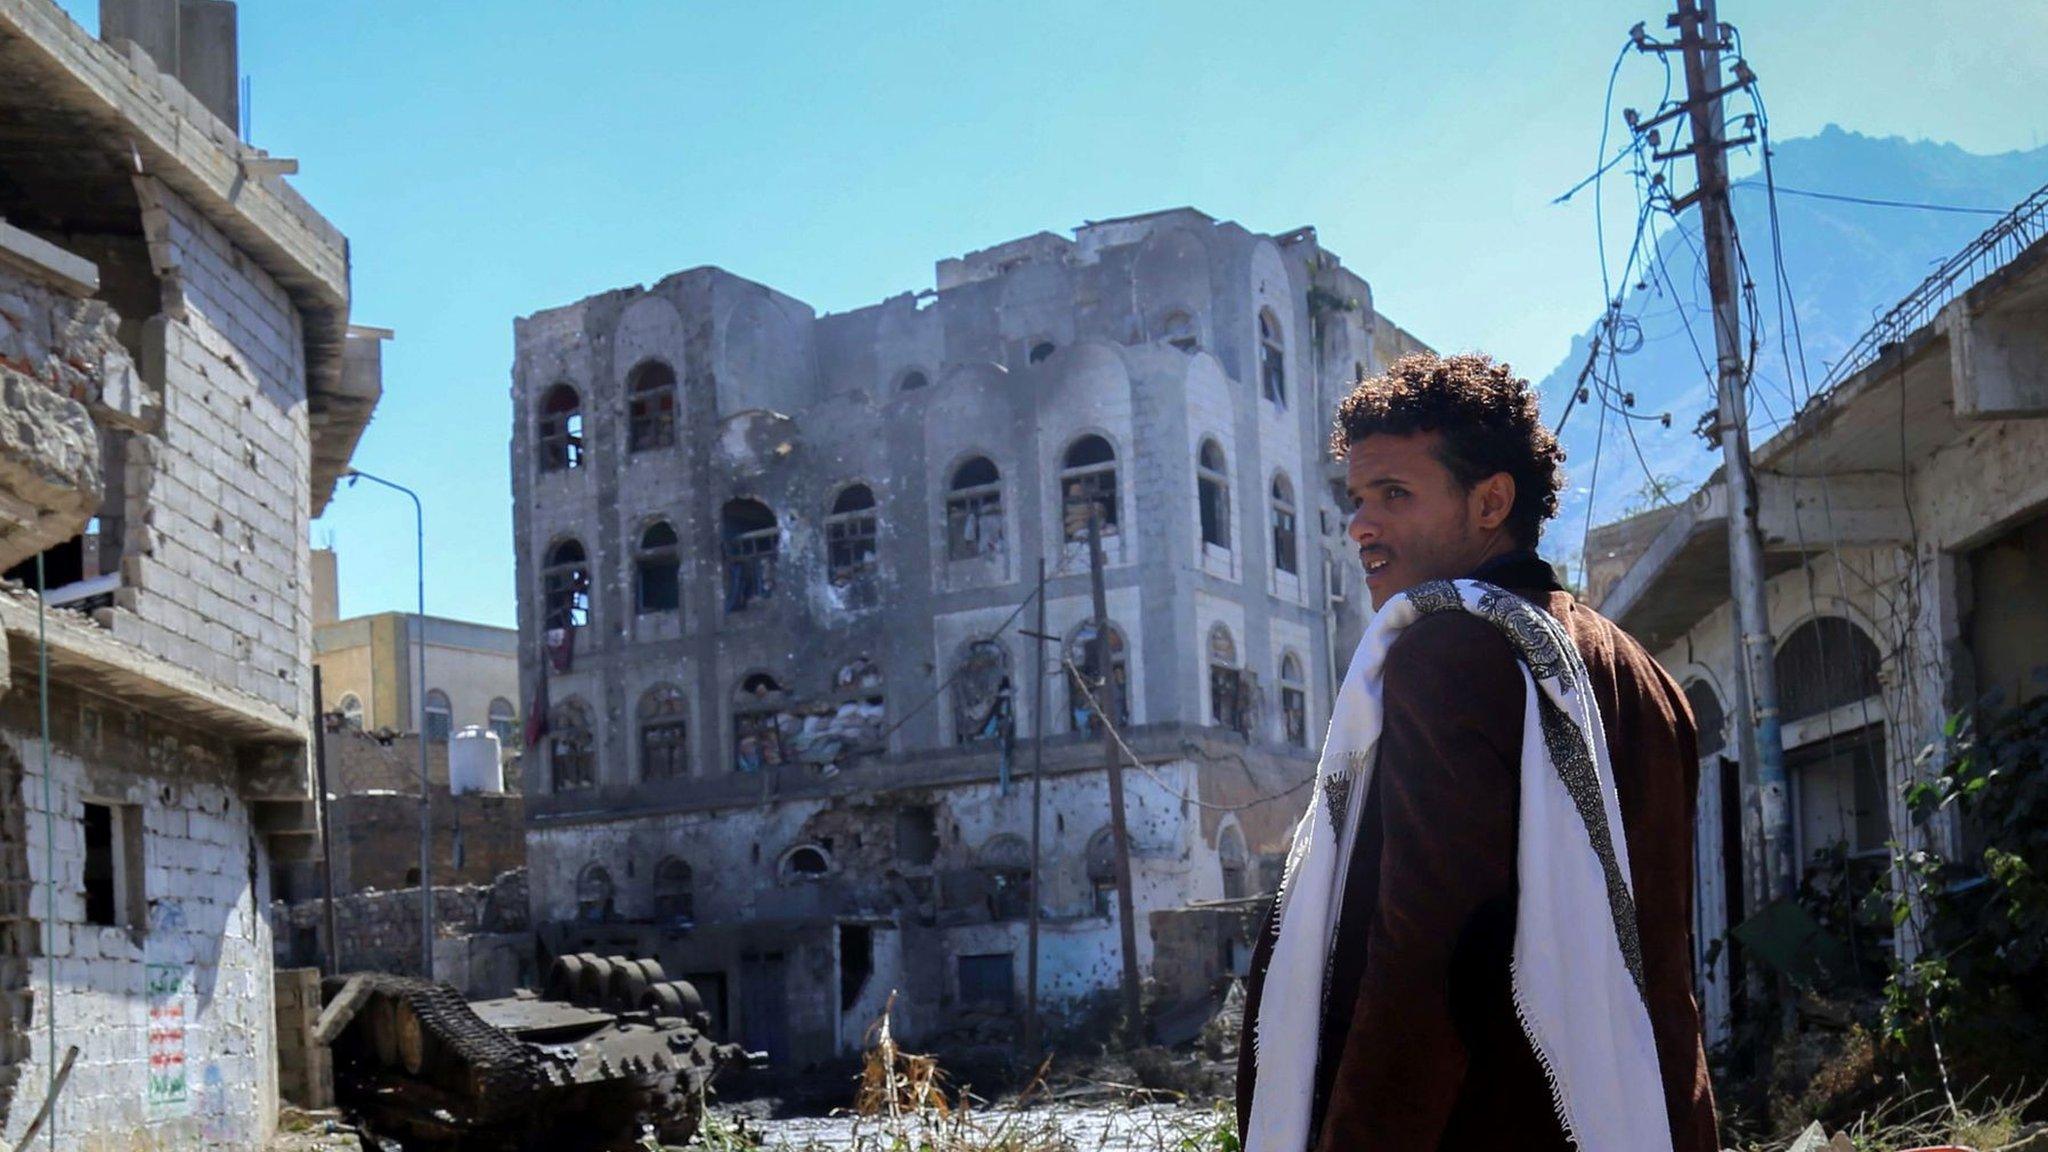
{"points": [[1495, 497]]}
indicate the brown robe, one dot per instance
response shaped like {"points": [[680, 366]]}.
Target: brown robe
{"points": [[1420, 1046]]}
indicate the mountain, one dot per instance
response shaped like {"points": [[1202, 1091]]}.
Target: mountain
{"points": [[1846, 264]]}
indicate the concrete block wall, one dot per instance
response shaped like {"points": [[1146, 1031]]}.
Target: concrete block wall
{"points": [[193, 979], [215, 563], [305, 1068]]}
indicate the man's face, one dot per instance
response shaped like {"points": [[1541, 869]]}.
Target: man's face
{"points": [[1413, 522]]}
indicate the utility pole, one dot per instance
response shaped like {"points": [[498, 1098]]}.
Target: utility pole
{"points": [[1037, 776], [1700, 42], [1134, 1021]]}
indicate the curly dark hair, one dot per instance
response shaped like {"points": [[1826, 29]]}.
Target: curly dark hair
{"points": [[1488, 419]]}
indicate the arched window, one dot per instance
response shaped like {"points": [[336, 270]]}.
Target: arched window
{"points": [[1272, 358], [1088, 483], [1824, 664], [758, 722], [751, 538], [982, 699], [1285, 556], [1042, 351], [1229, 703], [594, 893], [351, 709], [1005, 866], [1101, 858], [572, 749], [1178, 330], [1230, 852], [657, 570], [1708, 717], [651, 401], [1087, 664], [850, 535], [504, 720], [439, 721], [560, 429], [974, 510], [565, 587], [1212, 494], [912, 381], [806, 862], [675, 897], [664, 734], [1293, 702]]}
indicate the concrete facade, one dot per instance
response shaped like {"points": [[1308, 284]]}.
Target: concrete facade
{"points": [[771, 564], [1905, 524], [173, 328], [368, 666]]}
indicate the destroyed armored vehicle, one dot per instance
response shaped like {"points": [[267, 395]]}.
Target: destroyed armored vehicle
{"points": [[608, 1049]]}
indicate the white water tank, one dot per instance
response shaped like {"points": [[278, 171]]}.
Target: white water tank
{"points": [[473, 762]]}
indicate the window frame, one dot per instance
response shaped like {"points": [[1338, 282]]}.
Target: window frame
{"points": [[980, 503], [559, 429], [1272, 358], [651, 430], [1212, 494]]}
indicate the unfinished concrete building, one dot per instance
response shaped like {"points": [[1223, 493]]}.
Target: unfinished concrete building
{"points": [[772, 570], [179, 389]]}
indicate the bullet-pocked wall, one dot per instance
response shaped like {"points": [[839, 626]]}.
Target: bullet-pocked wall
{"points": [[765, 554]]}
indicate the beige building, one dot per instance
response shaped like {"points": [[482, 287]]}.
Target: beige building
{"points": [[1904, 518], [369, 666]]}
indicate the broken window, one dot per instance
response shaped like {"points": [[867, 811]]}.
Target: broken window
{"points": [[1230, 851], [1042, 351], [439, 722], [751, 538], [856, 962], [850, 536], [1824, 664], [572, 750], [917, 835], [807, 862], [565, 587], [1102, 870], [1005, 866], [674, 895], [988, 983], [664, 734], [651, 407], [1087, 667], [658, 570], [1212, 494], [112, 875], [1293, 702], [594, 894], [1285, 557], [981, 693], [561, 429], [1178, 330], [504, 720], [974, 511], [1088, 482], [351, 710], [757, 735], [1228, 703], [1272, 358]]}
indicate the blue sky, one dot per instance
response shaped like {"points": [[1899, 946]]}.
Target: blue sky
{"points": [[491, 159]]}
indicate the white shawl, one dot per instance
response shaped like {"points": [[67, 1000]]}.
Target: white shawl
{"points": [[1577, 965]]}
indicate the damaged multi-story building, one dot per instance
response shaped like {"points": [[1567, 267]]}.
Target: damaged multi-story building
{"points": [[776, 579], [179, 390]]}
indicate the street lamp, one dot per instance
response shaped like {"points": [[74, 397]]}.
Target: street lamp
{"points": [[419, 522]]}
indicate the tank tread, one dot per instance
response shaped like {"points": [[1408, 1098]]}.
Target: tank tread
{"points": [[499, 1059]]}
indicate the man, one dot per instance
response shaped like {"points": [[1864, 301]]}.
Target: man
{"points": [[1441, 970]]}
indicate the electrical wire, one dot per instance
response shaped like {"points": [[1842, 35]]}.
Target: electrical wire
{"points": [[1872, 201]]}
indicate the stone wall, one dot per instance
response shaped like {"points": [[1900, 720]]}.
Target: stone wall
{"points": [[482, 943]]}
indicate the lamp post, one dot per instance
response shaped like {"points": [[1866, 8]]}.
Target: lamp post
{"points": [[419, 521]]}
